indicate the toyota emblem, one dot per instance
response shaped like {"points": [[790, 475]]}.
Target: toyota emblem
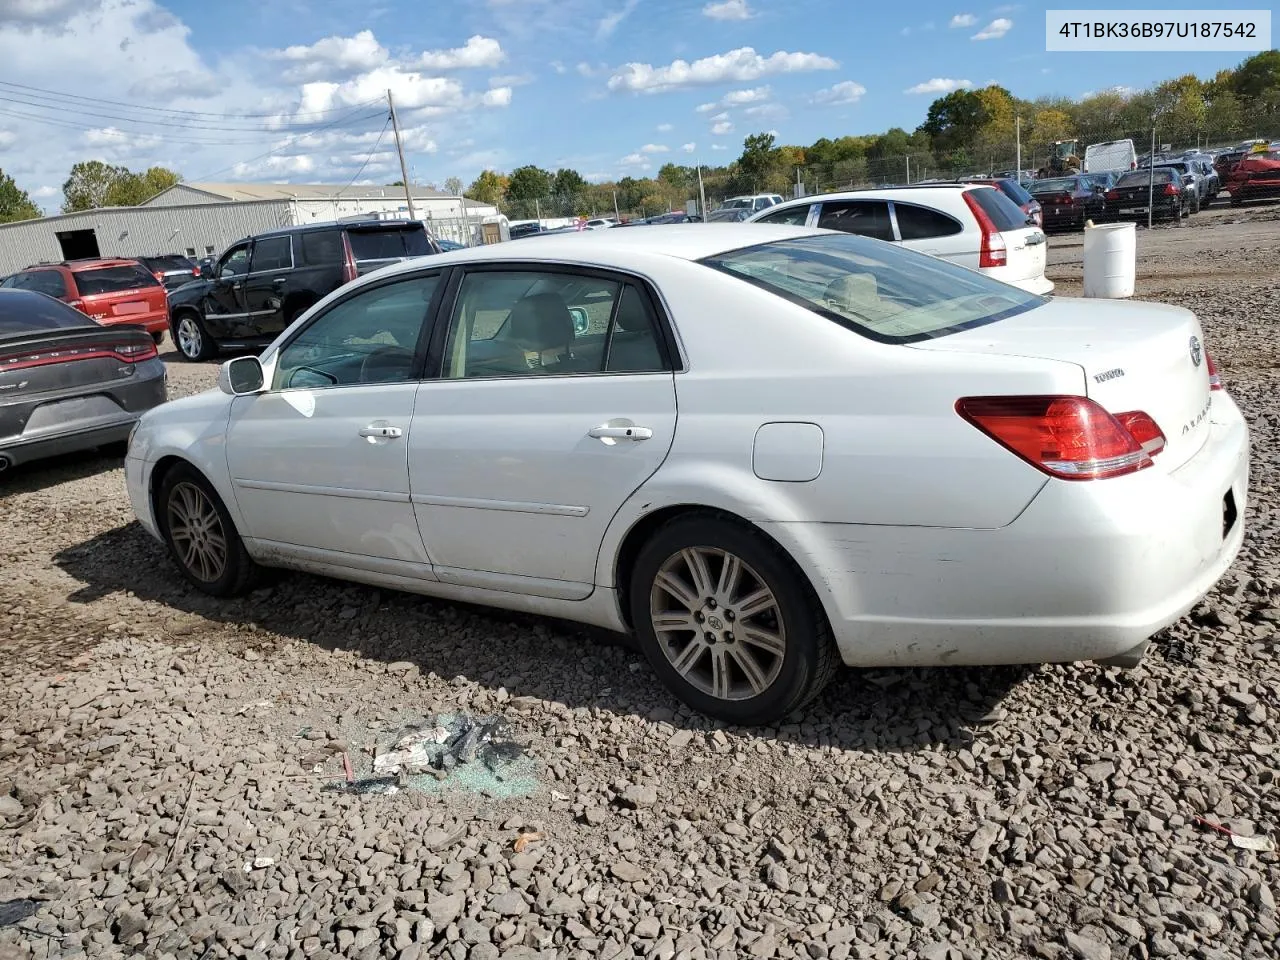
{"points": [[1196, 352]]}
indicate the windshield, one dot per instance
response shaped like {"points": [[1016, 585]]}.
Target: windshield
{"points": [[880, 291], [1067, 184], [27, 312], [736, 204]]}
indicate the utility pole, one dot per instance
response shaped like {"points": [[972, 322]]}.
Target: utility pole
{"points": [[404, 169], [702, 196], [908, 170], [1017, 128], [1151, 178], [616, 214]]}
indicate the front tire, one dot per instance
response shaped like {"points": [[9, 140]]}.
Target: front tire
{"points": [[201, 536], [727, 622], [191, 338]]}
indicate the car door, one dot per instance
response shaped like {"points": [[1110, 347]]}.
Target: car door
{"points": [[934, 232], [533, 435], [224, 303], [318, 461], [867, 218], [266, 285]]}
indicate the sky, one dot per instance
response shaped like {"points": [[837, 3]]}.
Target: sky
{"points": [[294, 90]]}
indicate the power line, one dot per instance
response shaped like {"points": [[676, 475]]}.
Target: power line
{"points": [[377, 143], [45, 94]]}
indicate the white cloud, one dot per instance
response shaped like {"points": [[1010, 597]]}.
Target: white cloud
{"points": [[497, 97], [654, 148], [963, 20], [1119, 90], [478, 51], [7, 138], [45, 192], [994, 30], [689, 147], [288, 165], [609, 23], [767, 111], [846, 91], [638, 160], [706, 107], [718, 146], [728, 10], [720, 117], [511, 80], [737, 98], [559, 66], [334, 55], [740, 65], [722, 128], [939, 85], [42, 12], [585, 69], [665, 128]]}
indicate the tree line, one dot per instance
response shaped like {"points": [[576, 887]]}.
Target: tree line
{"points": [[966, 131]]}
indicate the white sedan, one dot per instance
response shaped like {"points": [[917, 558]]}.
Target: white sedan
{"points": [[763, 452]]}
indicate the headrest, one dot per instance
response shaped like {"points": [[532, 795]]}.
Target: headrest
{"points": [[541, 321]]}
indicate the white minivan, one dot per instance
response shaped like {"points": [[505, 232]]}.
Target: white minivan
{"points": [[972, 224]]}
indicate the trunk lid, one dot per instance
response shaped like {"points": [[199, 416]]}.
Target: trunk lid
{"points": [[1134, 356], [33, 364], [121, 294]]}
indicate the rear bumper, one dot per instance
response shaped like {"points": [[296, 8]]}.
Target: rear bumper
{"points": [[151, 322], [85, 419], [1089, 571]]}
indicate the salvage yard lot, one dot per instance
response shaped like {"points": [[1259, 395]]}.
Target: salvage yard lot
{"points": [[154, 742]]}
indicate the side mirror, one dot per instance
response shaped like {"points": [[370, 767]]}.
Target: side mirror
{"points": [[241, 376], [581, 322]]}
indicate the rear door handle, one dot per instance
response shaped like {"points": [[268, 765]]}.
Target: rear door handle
{"points": [[373, 431], [620, 433], [279, 282]]}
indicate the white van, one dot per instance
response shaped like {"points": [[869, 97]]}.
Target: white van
{"points": [[1112, 156]]}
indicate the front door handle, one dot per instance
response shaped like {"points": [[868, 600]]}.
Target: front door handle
{"points": [[278, 282], [620, 433], [374, 432]]}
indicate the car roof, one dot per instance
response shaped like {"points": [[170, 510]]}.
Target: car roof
{"points": [[86, 264], [620, 248], [334, 225]]}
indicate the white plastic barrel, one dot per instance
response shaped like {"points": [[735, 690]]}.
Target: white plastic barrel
{"points": [[1110, 260]]}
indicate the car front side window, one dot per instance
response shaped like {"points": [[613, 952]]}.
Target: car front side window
{"points": [[235, 263], [371, 337]]}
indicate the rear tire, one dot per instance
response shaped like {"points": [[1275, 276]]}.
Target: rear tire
{"points": [[190, 337], [200, 535], [727, 622]]}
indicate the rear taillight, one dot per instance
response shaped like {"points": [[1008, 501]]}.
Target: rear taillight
{"points": [[1065, 200], [349, 271], [159, 275], [77, 304], [1112, 194], [1170, 190], [135, 352], [992, 251], [195, 272], [1072, 438], [1143, 429], [1215, 379]]}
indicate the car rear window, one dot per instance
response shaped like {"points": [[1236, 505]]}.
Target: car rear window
{"points": [[1013, 190], [386, 244], [24, 311], [170, 263], [1057, 185], [112, 280], [881, 291], [1004, 213], [1140, 178]]}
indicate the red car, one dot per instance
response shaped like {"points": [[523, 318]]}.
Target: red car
{"points": [[108, 290], [1255, 177]]}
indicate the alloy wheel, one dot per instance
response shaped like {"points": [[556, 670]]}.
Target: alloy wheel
{"points": [[718, 623], [195, 529], [190, 340]]}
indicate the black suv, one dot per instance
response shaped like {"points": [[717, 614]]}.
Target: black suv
{"points": [[259, 286]]}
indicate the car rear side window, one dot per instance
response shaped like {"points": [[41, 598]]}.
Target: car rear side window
{"points": [[921, 223], [113, 280], [272, 253], [388, 244], [795, 216], [42, 281], [1004, 213], [881, 291], [867, 218], [321, 248]]}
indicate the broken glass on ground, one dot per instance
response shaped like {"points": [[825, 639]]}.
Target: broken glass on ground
{"points": [[455, 751]]}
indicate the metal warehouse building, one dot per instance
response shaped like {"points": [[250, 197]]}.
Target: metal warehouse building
{"points": [[201, 219]]}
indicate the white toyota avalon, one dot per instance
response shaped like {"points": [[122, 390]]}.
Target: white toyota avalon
{"points": [[763, 451]]}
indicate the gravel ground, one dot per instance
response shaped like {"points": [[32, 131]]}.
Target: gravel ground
{"points": [[172, 777]]}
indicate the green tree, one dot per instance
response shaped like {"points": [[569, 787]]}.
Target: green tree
{"points": [[567, 189], [131, 189], [953, 121], [88, 185], [527, 189], [489, 187], [676, 175], [1257, 83], [15, 204], [453, 187], [759, 161]]}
